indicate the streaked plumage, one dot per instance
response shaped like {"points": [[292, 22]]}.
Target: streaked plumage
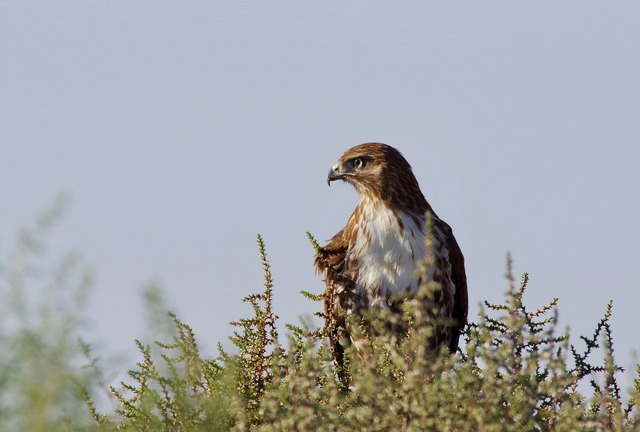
{"points": [[376, 255]]}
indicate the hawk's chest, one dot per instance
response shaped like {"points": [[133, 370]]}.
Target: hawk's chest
{"points": [[387, 250]]}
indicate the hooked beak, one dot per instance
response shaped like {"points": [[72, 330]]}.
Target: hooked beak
{"points": [[335, 173]]}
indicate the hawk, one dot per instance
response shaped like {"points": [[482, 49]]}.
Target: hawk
{"points": [[375, 258]]}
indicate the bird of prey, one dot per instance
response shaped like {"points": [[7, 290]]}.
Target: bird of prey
{"points": [[375, 258]]}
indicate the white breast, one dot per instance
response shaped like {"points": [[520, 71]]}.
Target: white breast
{"points": [[387, 254]]}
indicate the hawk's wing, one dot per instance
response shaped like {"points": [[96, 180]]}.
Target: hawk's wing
{"points": [[332, 263], [461, 299], [333, 255]]}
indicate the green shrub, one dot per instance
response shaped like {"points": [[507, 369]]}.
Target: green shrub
{"points": [[515, 371], [42, 383]]}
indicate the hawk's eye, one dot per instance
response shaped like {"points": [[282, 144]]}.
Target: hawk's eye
{"points": [[358, 163]]}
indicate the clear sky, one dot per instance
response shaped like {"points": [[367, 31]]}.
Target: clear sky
{"points": [[181, 129]]}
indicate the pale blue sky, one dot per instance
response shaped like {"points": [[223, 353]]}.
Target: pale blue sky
{"points": [[183, 128]]}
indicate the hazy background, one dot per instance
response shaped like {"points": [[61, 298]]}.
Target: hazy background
{"points": [[181, 129]]}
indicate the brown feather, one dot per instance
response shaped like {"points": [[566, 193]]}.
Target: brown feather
{"points": [[387, 186]]}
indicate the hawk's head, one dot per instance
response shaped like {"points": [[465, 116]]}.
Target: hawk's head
{"points": [[381, 172]]}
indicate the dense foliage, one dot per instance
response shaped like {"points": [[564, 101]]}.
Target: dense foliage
{"points": [[515, 370]]}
